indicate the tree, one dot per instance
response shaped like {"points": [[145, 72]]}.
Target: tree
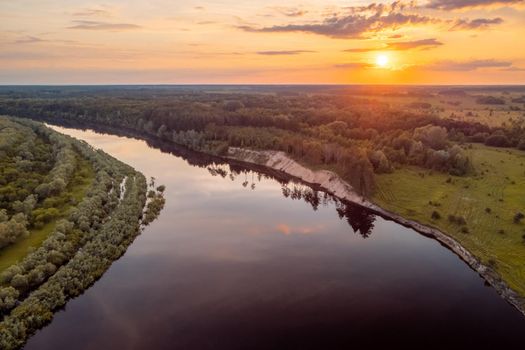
{"points": [[20, 281], [432, 136], [518, 217], [380, 162], [8, 298], [497, 140]]}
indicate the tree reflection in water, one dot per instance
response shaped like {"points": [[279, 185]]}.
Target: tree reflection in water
{"points": [[360, 219]]}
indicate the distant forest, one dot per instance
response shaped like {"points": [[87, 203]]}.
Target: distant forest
{"points": [[357, 137]]}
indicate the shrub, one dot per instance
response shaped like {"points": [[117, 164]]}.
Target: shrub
{"points": [[458, 220], [488, 210], [436, 215], [497, 140], [518, 217], [461, 220]]}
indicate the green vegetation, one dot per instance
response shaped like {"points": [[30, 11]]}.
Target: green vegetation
{"points": [[155, 202], [76, 190], [66, 212], [447, 157], [481, 210]]}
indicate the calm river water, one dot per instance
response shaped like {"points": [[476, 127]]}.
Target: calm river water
{"points": [[240, 260]]}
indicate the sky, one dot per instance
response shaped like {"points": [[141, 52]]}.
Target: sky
{"points": [[262, 42]]}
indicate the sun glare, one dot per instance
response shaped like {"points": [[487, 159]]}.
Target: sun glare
{"points": [[382, 61]]}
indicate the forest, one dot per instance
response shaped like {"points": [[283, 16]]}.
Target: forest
{"points": [[87, 206], [359, 136]]}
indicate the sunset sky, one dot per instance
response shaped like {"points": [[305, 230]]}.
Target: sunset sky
{"points": [[226, 41]]}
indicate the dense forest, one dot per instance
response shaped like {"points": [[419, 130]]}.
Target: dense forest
{"points": [[356, 136], [40, 172]]}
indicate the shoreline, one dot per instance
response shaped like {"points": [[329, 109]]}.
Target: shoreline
{"points": [[333, 184], [330, 182]]}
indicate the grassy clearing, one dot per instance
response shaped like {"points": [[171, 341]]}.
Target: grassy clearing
{"points": [[487, 201], [76, 190]]}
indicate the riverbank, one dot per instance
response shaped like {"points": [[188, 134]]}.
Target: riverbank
{"points": [[333, 184], [279, 162]]}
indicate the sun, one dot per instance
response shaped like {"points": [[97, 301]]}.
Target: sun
{"points": [[382, 61]]}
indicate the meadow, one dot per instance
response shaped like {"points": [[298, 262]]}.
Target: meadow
{"points": [[480, 210]]}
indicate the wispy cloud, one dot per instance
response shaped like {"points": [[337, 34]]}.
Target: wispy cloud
{"points": [[513, 69], [401, 46], [290, 11], [479, 23], [415, 44], [364, 49], [358, 21], [468, 65], [354, 65], [459, 4], [29, 40], [283, 52], [206, 22], [92, 12], [97, 25]]}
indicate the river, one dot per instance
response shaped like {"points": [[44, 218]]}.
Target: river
{"points": [[243, 260]]}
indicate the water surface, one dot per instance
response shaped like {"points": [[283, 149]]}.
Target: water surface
{"points": [[241, 260]]}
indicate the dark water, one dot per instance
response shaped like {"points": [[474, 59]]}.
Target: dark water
{"points": [[228, 266]]}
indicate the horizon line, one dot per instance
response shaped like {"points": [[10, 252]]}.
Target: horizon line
{"points": [[254, 84]]}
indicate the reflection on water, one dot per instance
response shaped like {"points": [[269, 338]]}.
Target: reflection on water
{"points": [[359, 218], [247, 259]]}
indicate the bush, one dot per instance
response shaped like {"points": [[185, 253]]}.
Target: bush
{"points": [[492, 263], [497, 141], [436, 215], [458, 220], [488, 210], [518, 217]]}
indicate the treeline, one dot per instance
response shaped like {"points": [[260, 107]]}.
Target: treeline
{"points": [[360, 219], [359, 137], [96, 231]]}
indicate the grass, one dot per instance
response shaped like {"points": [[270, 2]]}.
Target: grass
{"points": [[490, 234], [468, 109], [76, 190]]}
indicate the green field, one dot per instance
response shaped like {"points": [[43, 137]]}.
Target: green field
{"points": [[488, 200], [76, 190], [463, 108]]}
